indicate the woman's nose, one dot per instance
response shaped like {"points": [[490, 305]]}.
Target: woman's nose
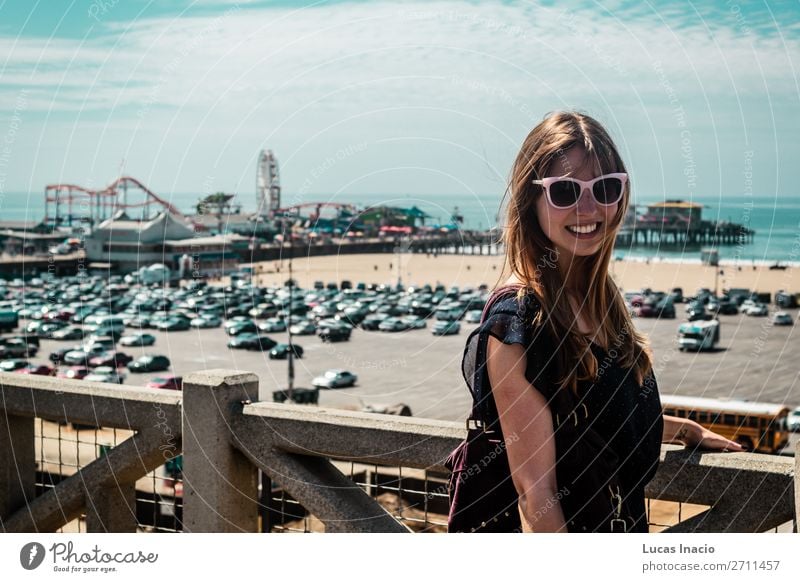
{"points": [[586, 202]]}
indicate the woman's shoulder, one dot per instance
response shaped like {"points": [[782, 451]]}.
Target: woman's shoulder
{"points": [[513, 299]]}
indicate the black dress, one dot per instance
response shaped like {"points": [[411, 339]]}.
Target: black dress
{"points": [[612, 426]]}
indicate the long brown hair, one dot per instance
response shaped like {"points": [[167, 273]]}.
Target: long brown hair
{"points": [[532, 257]]}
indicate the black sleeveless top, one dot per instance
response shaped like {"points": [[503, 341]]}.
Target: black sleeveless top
{"points": [[627, 416]]}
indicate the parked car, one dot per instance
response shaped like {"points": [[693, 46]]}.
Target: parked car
{"points": [[415, 321], [113, 359], [372, 321], [335, 334], [37, 370], [785, 300], [73, 372], [174, 324], [167, 382], [108, 343], [446, 328], [473, 316], [48, 328], [241, 341], [757, 310], [304, 328], [137, 340], [206, 322], [665, 308], [17, 348], [782, 318], [13, 365], [452, 313], [281, 352], [747, 304], [114, 331], [793, 420], [335, 379], [149, 363], [272, 325], [106, 374], [393, 324], [241, 327], [702, 335], [81, 357], [252, 341], [68, 333], [727, 307]]}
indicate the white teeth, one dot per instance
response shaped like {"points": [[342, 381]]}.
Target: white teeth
{"points": [[584, 229]]}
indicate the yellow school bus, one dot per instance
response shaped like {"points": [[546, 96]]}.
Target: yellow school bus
{"points": [[758, 426]]}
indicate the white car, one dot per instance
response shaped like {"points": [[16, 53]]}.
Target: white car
{"points": [[335, 379], [782, 318], [793, 420], [473, 316], [304, 328], [272, 325], [415, 321], [757, 310], [393, 324], [137, 340], [206, 321], [106, 374]]}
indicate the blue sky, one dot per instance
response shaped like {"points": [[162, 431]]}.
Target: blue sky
{"points": [[394, 98]]}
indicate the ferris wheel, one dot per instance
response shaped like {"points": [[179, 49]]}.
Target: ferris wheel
{"points": [[268, 184]]}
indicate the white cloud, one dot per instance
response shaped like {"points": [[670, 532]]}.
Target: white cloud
{"points": [[295, 55], [471, 73]]}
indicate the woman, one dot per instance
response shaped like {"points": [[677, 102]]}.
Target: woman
{"points": [[562, 380]]}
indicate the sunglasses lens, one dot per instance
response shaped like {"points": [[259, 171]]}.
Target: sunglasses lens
{"points": [[608, 191], [564, 193]]}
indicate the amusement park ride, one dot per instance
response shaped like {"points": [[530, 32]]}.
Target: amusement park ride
{"points": [[68, 204], [268, 195], [268, 184]]}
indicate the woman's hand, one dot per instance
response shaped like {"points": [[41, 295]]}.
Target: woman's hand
{"points": [[689, 433], [706, 439]]}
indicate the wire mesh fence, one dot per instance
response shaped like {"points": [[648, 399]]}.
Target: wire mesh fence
{"points": [[62, 449], [415, 497]]}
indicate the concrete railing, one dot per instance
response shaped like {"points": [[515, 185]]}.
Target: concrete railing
{"points": [[227, 438], [105, 488]]}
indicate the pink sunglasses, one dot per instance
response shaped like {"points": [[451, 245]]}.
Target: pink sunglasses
{"points": [[564, 192]]}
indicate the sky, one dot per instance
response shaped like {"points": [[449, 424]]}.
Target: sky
{"points": [[394, 98]]}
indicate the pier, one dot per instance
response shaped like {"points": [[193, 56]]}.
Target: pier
{"points": [[707, 233]]}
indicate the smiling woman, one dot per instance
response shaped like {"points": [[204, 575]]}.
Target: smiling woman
{"points": [[566, 418]]}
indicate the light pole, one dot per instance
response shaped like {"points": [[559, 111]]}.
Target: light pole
{"points": [[290, 355], [399, 266]]}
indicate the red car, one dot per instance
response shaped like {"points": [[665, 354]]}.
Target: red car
{"points": [[38, 370], [166, 382], [59, 315], [74, 373]]}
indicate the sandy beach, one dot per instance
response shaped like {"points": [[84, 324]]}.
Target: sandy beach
{"points": [[473, 270]]}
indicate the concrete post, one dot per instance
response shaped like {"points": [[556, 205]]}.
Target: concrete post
{"points": [[112, 509], [220, 484], [797, 488], [17, 464]]}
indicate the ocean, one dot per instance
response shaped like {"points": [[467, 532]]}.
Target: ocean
{"points": [[775, 220]]}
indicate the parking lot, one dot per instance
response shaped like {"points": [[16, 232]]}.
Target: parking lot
{"points": [[754, 360]]}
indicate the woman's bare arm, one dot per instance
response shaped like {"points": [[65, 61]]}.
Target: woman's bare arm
{"points": [[527, 426], [689, 433]]}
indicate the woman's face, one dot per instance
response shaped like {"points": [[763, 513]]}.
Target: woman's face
{"points": [[557, 224]]}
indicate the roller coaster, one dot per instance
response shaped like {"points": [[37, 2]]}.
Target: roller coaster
{"points": [[70, 204]]}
